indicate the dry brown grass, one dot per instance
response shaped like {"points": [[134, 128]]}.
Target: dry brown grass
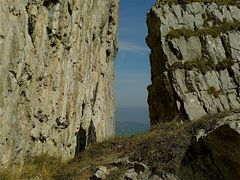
{"points": [[203, 65], [162, 148], [215, 31], [42, 166], [214, 92]]}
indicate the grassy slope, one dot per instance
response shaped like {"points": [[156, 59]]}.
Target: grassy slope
{"points": [[164, 147]]}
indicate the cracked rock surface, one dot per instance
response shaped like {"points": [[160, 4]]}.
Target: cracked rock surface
{"points": [[56, 76], [195, 60]]}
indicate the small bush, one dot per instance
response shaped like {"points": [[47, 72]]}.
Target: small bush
{"points": [[177, 65], [200, 64], [214, 92]]}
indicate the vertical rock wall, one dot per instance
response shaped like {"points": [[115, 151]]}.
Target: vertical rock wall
{"points": [[195, 59], [56, 76]]}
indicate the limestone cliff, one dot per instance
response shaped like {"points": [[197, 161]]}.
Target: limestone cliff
{"points": [[56, 76], [195, 59]]}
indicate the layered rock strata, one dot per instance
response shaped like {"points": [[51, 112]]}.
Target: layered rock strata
{"points": [[195, 59], [56, 76]]}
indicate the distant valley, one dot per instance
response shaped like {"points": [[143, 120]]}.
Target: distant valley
{"points": [[127, 128], [131, 120]]}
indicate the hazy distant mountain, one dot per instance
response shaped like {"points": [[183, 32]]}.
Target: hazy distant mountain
{"points": [[131, 120], [130, 127], [139, 115]]}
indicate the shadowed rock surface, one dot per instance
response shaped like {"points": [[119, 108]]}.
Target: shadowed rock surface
{"points": [[214, 156]]}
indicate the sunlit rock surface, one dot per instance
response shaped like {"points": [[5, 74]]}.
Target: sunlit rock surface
{"points": [[56, 76], [195, 57]]}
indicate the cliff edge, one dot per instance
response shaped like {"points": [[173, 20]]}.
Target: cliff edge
{"points": [[195, 58]]}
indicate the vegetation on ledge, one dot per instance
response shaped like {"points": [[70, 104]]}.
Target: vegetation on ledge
{"points": [[215, 31], [203, 65], [214, 92]]}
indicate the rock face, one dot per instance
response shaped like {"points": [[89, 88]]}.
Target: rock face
{"points": [[56, 75], [195, 58], [214, 155]]}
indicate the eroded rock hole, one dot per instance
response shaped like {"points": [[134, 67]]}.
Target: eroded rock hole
{"points": [[48, 2], [69, 9], [81, 140], [85, 139], [31, 26], [91, 134]]}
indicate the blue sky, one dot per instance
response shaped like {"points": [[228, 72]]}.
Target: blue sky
{"points": [[132, 63]]}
